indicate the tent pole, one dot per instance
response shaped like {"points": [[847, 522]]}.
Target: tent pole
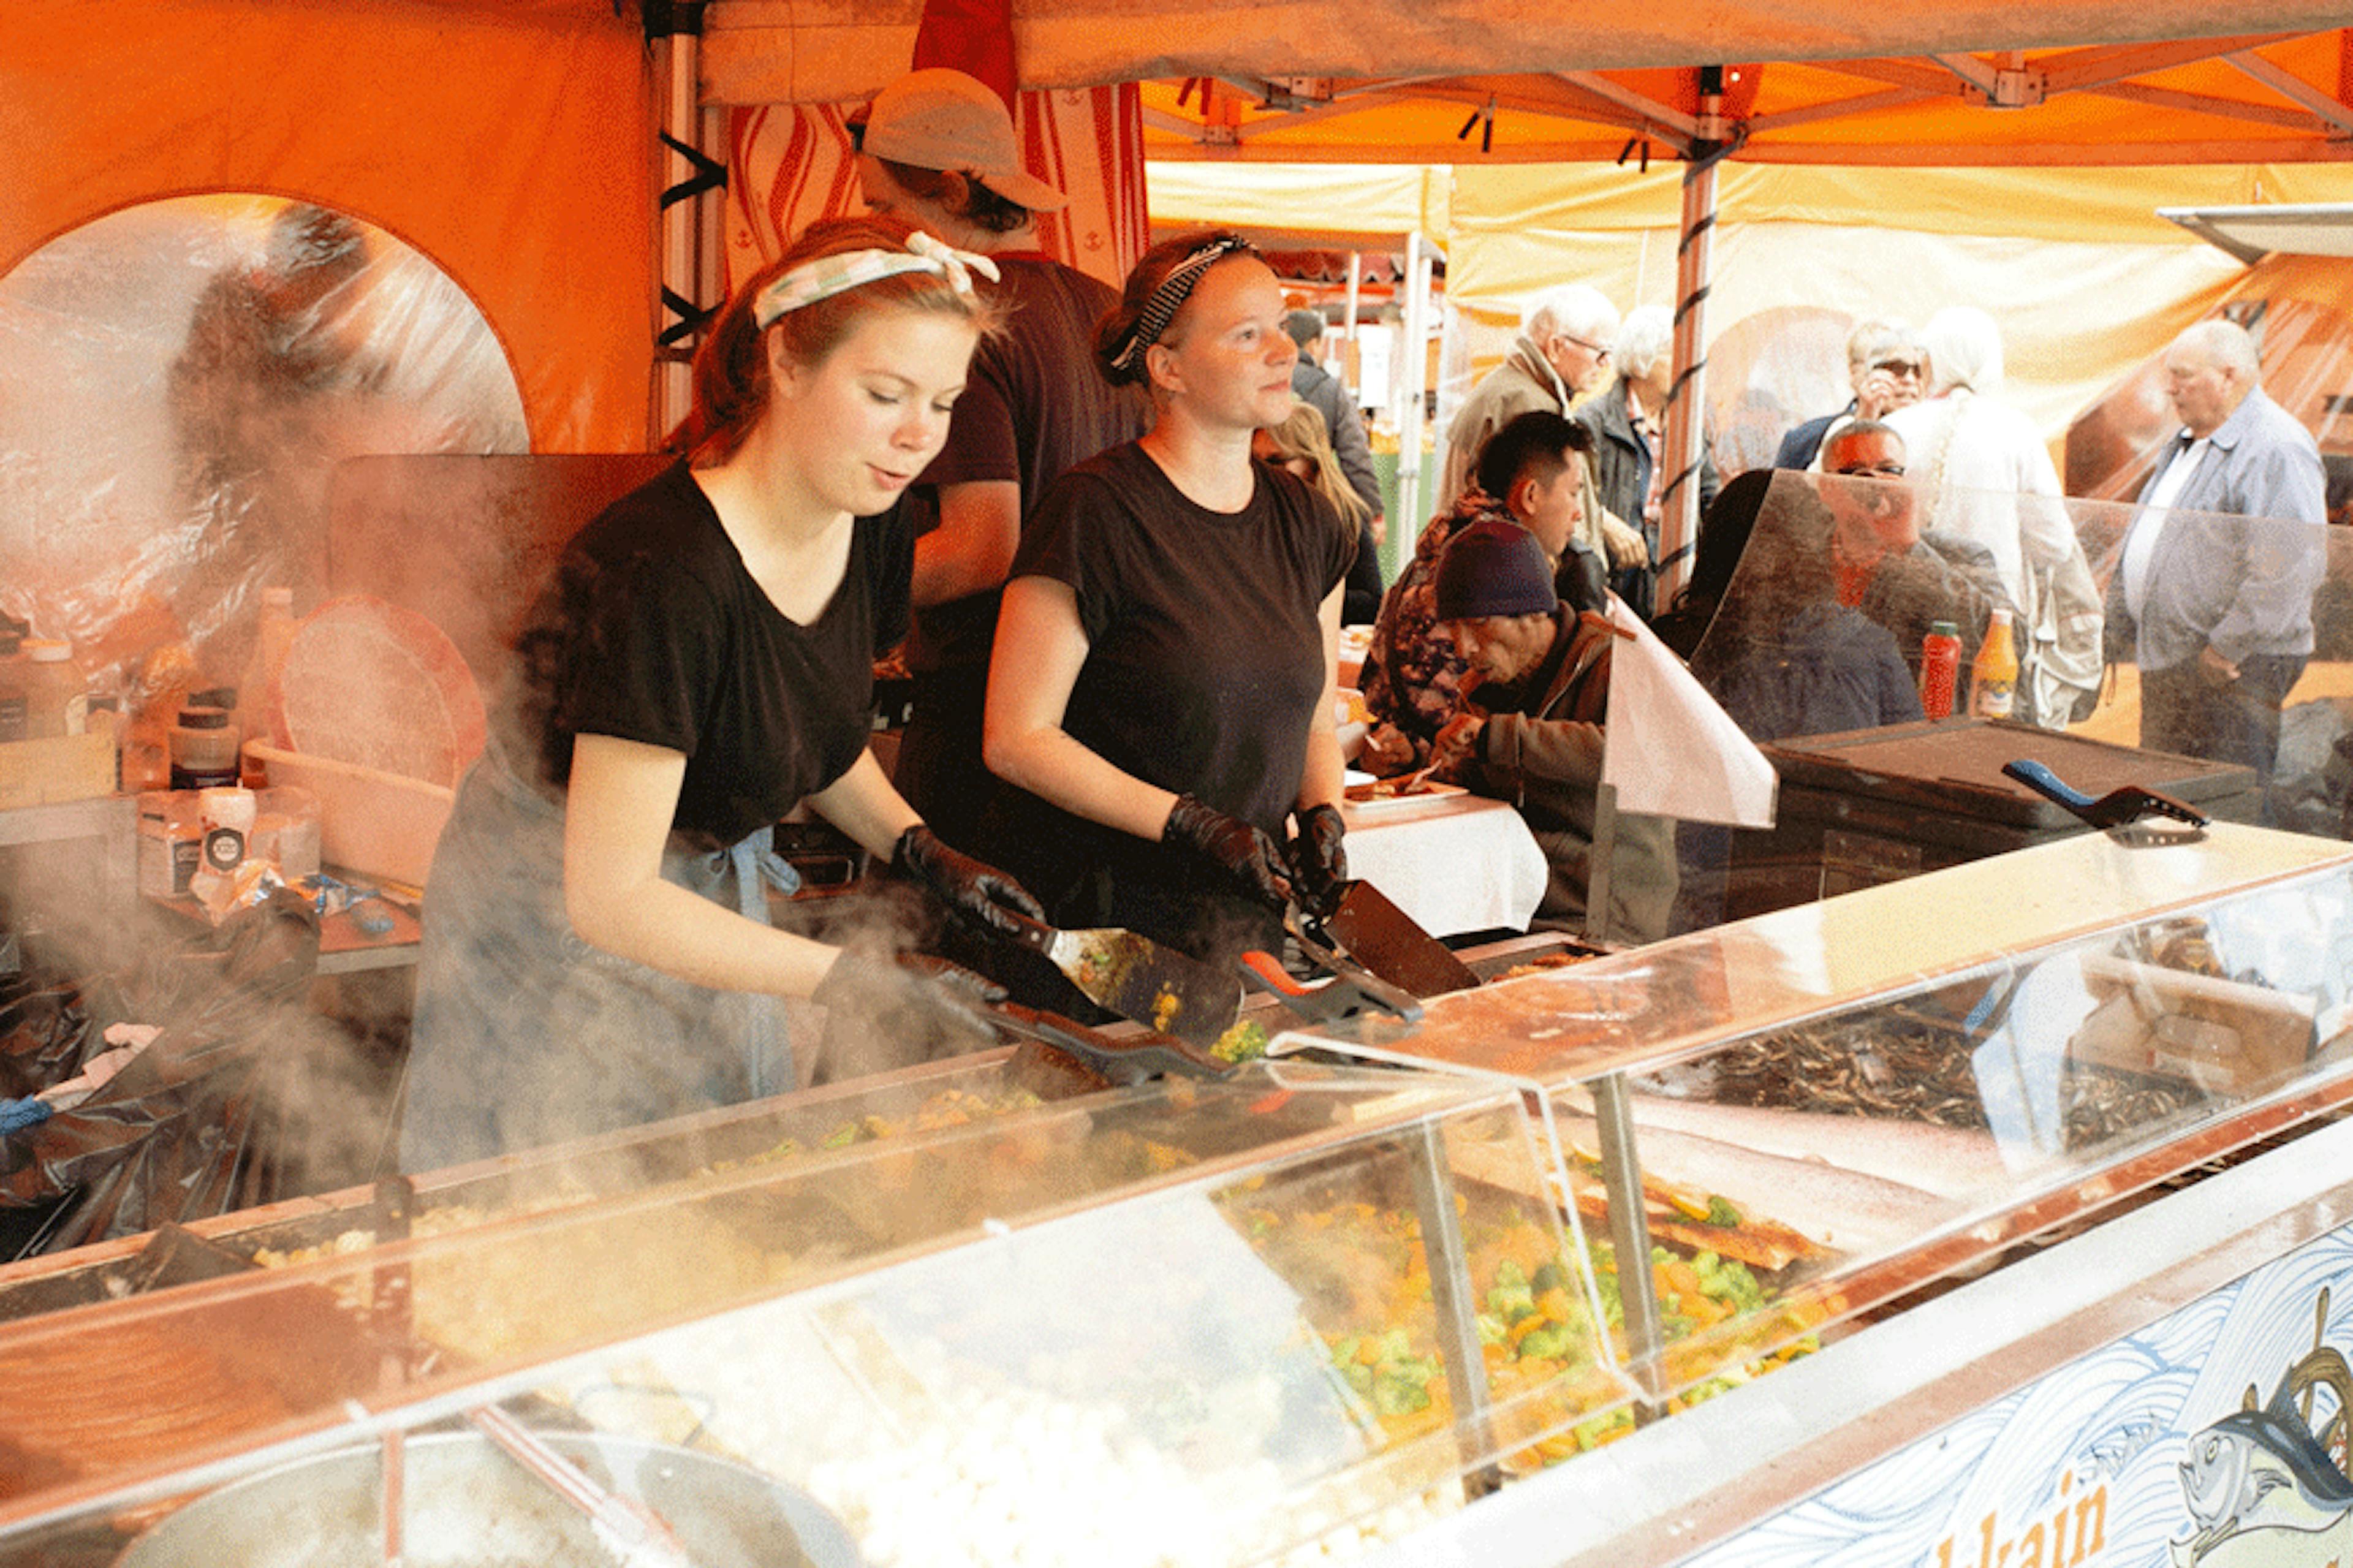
{"points": [[680, 122], [1415, 352], [1686, 397], [1679, 492], [1356, 281]]}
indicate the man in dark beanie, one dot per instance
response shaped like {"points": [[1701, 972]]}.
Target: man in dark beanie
{"points": [[1530, 729], [1532, 473]]}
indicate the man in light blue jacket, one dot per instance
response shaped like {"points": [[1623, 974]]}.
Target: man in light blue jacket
{"points": [[2212, 597]]}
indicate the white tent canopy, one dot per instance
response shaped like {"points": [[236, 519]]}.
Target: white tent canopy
{"points": [[811, 51]]}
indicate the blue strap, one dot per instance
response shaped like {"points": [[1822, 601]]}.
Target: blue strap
{"points": [[768, 1039], [15, 1115]]}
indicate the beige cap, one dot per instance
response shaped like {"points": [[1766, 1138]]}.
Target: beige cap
{"points": [[941, 119]]}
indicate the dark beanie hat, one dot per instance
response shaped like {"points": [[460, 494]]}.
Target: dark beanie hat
{"points": [[1493, 568]]}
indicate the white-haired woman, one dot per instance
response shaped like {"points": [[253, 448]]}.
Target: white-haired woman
{"points": [[598, 952], [1973, 454], [1985, 474], [1628, 423]]}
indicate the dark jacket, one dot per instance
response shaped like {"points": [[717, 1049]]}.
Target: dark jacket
{"points": [[1328, 396], [1801, 446], [1541, 750], [1621, 471]]}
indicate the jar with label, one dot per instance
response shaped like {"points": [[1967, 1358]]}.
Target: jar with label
{"points": [[203, 749], [56, 696], [227, 816], [171, 841]]}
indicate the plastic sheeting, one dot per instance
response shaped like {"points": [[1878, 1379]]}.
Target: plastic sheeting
{"points": [[178, 382], [510, 140]]}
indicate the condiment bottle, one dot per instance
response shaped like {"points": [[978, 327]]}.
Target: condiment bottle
{"points": [[56, 697], [1940, 669], [1993, 677], [203, 749]]}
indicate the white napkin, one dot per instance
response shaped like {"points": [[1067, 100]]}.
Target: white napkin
{"points": [[1668, 749]]}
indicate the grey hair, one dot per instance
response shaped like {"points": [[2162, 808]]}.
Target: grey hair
{"points": [[1874, 337], [2230, 345], [1647, 336], [1578, 308], [1964, 350]]}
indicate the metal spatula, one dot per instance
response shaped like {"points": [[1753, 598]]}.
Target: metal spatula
{"points": [[1165, 991]]}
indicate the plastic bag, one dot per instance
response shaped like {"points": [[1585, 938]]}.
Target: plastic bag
{"points": [[171, 1137]]}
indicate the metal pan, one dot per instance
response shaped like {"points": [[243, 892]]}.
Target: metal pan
{"points": [[466, 1505]]}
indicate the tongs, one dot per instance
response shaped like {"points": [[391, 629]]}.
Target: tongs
{"points": [[1121, 1059], [2114, 809], [632, 1533], [1349, 990]]}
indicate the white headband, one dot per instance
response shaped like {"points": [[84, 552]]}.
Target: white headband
{"points": [[830, 275]]}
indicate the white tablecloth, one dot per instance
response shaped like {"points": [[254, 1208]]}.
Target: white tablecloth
{"points": [[1454, 863]]}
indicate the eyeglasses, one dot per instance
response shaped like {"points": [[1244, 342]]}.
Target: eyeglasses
{"points": [[1901, 366], [1890, 470], [1598, 350]]}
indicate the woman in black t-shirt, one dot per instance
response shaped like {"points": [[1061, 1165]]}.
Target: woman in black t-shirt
{"points": [[597, 952], [1167, 657]]}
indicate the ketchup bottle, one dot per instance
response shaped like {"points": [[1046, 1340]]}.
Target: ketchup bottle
{"points": [[1940, 667]]}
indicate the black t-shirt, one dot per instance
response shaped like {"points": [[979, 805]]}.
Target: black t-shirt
{"points": [[1033, 405], [1205, 657], [654, 631]]}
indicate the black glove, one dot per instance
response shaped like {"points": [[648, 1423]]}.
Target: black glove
{"points": [[1243, 852], [1318, 862], [883, 1011], [973, 888]]}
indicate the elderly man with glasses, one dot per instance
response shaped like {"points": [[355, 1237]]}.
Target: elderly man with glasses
{"points": [[1561, 354]]}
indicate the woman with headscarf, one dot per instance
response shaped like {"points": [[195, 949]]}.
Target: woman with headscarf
{"points": [[1166, 659], [596, 951]]}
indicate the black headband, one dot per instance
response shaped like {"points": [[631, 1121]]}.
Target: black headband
{"points": [[1169, 295]]}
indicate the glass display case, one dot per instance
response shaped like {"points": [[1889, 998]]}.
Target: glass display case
{"points": [[1178, 1322], [1863, 1096], [1337, 1301]]}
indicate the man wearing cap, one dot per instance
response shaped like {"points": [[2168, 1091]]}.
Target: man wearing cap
{"points": [[1531, 733], [938, 148], [1328, 396]]}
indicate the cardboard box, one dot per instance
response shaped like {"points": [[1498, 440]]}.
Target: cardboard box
{"points": [[61, 768], [371, 822]]}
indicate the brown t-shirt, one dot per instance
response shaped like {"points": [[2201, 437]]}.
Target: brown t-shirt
{"points": [[1033, 405]]}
